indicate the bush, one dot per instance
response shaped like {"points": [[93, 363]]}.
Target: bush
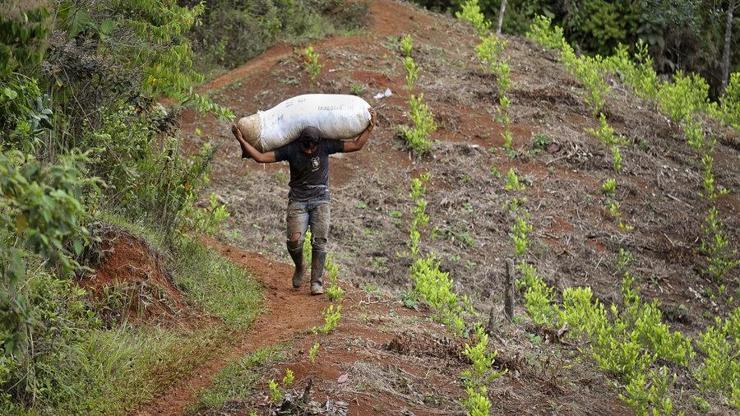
{"points": [[730, 102], [417, 136], [683, 97], [436, 288], [720, 370], [471, 13]]}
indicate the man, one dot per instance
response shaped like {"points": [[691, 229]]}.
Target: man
{"points": [[309, 197]]}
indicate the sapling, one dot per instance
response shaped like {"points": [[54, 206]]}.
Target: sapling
{"points": [[471, 12], [406, 43], [311, 60], [288, 378], [275, 394], [313, 352], [512, 181]]}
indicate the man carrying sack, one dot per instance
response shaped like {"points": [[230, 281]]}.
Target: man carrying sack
{"points": [[309, 197]]}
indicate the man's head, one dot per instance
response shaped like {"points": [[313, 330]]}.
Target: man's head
{"points": [[309, 139]]}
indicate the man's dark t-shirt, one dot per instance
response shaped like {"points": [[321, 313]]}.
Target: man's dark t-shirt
{"points": [[309, 174]]}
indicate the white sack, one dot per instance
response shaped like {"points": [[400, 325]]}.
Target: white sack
{"points": [[337, 116]]}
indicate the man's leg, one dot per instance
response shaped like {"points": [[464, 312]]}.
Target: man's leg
{"points": [[297, 221], [319, 219]]}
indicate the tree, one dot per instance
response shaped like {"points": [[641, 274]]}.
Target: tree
{"points": [[725, 65]]}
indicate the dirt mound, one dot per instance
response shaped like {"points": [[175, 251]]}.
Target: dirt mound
{"points": [[130, 282]]}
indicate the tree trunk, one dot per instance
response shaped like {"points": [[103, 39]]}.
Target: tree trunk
{"points": [[501, 12], [726, 52]]}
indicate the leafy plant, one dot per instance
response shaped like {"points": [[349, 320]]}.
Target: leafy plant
{"points": [[721, 258], [288, 378], [512, 181], [609, 186], [720, 370], [331, 318], [471, 12], [274, 388], [412, 72], [406, 44], [542, 32], [333, 291], [311, 63], [357, 89], [436, 288], [683, 97], [648, 393], [417, 136], [313, 352], [519, 235], [477, 402], [537, 295]]}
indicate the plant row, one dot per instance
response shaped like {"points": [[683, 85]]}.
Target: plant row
{"points": [[422, 118]]}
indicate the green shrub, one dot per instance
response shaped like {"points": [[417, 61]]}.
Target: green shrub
{"points": [[334, 292], [716, 246], [406, 44], [311, 63], [730, 102], [470, 12], [512, 181], [477, 402], [638, 74], [542, 32], [720, 370], [520, 235], [683, 97], [331, 318], [417, 137], [436, 288], [538, 296], [412, 72], [609, 186], [648, 394]]}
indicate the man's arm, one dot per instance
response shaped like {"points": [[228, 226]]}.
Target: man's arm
{"points": [[249, 151], [359, 142]]}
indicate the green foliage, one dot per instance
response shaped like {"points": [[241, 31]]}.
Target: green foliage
{"points": [[436, 288], [590, 71], [471, 12], [331, 318], [288, 378], [716, 246], [417, 137], [720, 370], [647, 394], [541, 141], [357, 89], [512, 181], [406, 44], [520, 235], [232, 32], [222, 288], [313, 352], [538, 296], [334, 292], [477, 403], [275, 394], [27, 114], [412, 72], [311, 63], [23, 33], [638, 73], [542, 32], [207, 220], [609, 186], [480, 371], [683, 97], [238, 380], [730, 102]]}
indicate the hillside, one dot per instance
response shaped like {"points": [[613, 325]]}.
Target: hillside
{"points": [[574, 242]]}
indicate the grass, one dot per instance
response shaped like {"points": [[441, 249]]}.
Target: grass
{"points": [[238, 380], [228, 293], [111, 371]]}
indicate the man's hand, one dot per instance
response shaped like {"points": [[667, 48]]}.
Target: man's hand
{"points": [[238, 134], [373, 120], [249, 151]]}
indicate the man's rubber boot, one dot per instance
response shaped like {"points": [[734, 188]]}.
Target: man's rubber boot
{"points": [[318, 258], [295, 248]]}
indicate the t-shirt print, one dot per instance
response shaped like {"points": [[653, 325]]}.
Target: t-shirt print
{"points": [[315, 163]]}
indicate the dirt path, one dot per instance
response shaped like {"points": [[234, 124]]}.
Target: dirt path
{"points": [[287, 313]]}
